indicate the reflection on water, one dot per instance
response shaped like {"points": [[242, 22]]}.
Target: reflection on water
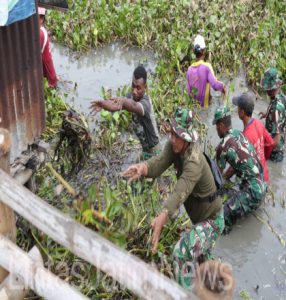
{"points": [[110, 67], [251, 248]]}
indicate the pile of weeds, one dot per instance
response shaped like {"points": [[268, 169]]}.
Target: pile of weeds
{"points": [[74, 144], [68, 131]]}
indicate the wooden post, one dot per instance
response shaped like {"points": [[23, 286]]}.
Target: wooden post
{"points": [[7, 218]]}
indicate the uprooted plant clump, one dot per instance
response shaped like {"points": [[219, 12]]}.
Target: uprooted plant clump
{"points": [[74, 145]]}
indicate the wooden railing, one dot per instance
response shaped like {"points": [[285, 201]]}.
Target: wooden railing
{"points": [[141, 278]]}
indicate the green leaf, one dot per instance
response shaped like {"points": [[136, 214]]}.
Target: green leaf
{"points": [[116, 116], [217, 34], [105, 113], [102, 92], [213, 19]]}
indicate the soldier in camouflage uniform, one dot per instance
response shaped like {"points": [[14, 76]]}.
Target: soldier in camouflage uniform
{"points": [[195, 188], [243, 161], [276, 112]]}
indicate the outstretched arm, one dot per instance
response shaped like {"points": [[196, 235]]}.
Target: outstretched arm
{"points": [[152, 167], [134, 172], [116, 104], [110, 105]]}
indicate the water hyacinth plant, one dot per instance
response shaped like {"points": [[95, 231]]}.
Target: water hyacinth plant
{"points": [[249, 34]]}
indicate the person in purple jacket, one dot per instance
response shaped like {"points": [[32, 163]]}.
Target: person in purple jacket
{"points": [[200, 76]]}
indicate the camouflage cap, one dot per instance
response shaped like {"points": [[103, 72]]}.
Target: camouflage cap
{"points": [[220, 113], [182, 124], [270, 80]]}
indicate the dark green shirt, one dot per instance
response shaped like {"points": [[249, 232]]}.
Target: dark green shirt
{"points": [[145, 127], [195, 180]]}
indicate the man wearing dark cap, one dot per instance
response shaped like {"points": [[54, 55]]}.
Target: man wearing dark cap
{"points": [[276, 112], [195, 188], [235, 150], [254, 130]]}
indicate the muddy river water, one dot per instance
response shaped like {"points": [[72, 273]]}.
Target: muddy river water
{"points": [[256, 254]]}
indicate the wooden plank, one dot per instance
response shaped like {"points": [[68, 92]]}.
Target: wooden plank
{"points": [[12, 288], [144, 280], [34, 275], [7, 218]]}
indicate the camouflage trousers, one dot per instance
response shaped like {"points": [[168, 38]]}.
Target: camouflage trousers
{"points": [[242, 202], [277, 156], [193, 246]]}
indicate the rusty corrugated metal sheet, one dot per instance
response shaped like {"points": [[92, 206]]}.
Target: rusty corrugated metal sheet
{"points": [[22, 108]]}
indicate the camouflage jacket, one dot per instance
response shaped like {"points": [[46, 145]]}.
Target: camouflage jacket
{"points": [[276, 118], [236, 150]]}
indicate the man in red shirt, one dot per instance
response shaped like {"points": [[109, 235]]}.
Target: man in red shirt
{"points": [[254, 130], [47, 60]]}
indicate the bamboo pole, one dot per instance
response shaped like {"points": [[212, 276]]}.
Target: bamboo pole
{"points": [[141, 278], [68, 187], [7, 218], [34, 275]]}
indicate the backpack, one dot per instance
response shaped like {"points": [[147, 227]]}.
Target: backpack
{"points": [[218, 178]]}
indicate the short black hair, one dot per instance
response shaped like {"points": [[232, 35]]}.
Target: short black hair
{"points": [[198, 51], [245, 102], [140, 72], [226, 121], [248, 110]]}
